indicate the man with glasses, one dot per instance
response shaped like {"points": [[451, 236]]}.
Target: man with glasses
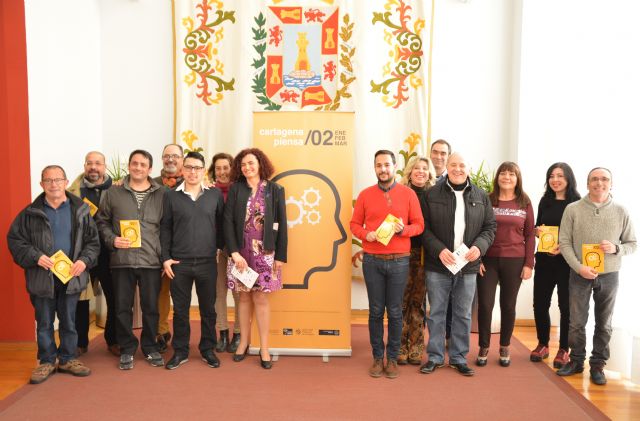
{"points": [[191, 234], [89, 186], [55, 221], [594, 220], [170, 177], [138, 201], [386, 267]]}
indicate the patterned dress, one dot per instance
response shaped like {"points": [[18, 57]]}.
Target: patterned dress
{"points": [[252, 250]]}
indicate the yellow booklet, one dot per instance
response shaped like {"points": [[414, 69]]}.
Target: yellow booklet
{"points": [[130, 229], [385, 231], [548, 238], [61, 266], [93, 209], [593, 256]]}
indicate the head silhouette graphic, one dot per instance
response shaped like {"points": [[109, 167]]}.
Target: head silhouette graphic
{"points": [[314, 227]]}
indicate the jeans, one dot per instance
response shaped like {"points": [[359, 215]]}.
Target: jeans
{"points": [[385, 281], [124, 283], [203, 272], [604, 289], [461, 288], [45, 309]]}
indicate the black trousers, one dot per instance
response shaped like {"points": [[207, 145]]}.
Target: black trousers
{"points": [[82, 323], [506, 271], [546, 278], [124, 282], [204, 273]]}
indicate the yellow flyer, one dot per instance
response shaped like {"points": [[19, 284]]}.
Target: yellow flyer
{"points": [[93, 209], [385, 231], [61, 266], [130, 229], [548, 236], [593, 256]]}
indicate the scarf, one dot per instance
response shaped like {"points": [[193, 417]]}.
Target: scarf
{"points": [[171, 180]]}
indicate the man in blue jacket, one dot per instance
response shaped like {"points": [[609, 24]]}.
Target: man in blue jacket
{"points": [[55, 221]]}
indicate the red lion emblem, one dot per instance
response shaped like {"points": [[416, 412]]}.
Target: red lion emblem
{"points": [[329, 70], [313, 15], [289, 95], [275, 35]]}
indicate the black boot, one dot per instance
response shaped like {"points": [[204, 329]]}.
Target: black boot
{"points": [[233, 345], [223, 341]]}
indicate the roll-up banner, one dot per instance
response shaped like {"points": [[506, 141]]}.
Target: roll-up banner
{"points": [[312, 155]]}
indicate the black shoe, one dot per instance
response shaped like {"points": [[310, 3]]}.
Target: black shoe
{"points": [[211, 359], [155, 359], [233, 344], [176, 361], [570, 368], [266, 364], [430, 366], [223, 341], [162, 342], [239, 357], [126, 362], [463, 369], [597, 376]]}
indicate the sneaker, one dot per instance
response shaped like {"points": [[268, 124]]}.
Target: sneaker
{"points": [[126, 362], [74, 367], [481, 360], [562, 357], [211, 359], [391, 370], [430, 366], [42, 373], [570, 368], [540, 353], [463, 369], [377, 368], [176, 361], [505, 357], [155, 359], [597, 376]]}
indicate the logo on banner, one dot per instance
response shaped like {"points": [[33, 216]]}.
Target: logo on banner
{"points": [[299, 58]]}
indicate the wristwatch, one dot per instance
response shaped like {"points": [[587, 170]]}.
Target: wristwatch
{"points": [[617, 249]]}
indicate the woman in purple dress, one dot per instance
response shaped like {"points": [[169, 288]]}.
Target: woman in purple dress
{"points": [[255, 231]]}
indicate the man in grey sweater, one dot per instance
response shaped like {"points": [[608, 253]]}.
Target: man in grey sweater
{"points": [[595, 219]]}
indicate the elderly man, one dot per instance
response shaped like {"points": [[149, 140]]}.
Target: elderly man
{"points": [[55, 221], [386, 264], [89, 186], [170, 177], [138, 202], [595, 219], [457, 213]]}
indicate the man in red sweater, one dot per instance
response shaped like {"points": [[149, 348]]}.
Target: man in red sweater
{"points": [[386, 267]]}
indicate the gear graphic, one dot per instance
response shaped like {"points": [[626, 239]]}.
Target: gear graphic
{"points": [[301, 212], [306, 202], [313, 217]]}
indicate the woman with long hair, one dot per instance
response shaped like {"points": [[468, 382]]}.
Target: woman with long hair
{"points": [[419, 174], [551, 268], [508, 261], [255, 231]]}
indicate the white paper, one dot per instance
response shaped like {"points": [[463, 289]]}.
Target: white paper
{"points": [[459, 254], [248, 277]]}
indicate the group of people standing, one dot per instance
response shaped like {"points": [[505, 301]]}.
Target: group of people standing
{"points": [[453, 242], [186, 230]]}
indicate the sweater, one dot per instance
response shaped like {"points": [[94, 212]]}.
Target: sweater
{"points": [[585, 223], [550, 214], [372, 207], [515, 235]]}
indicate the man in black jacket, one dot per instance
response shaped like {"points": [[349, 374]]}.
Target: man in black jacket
{"points": [[456, 214], [191, 234], [55, 221]]}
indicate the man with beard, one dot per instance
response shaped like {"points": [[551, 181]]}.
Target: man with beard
{"points": [[170, 177], [89, 186], [386, 267]]}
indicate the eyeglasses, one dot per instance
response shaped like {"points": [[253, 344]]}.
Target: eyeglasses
{"points": [[596, 179], [172, 156], [53, 180], [191, 168]]}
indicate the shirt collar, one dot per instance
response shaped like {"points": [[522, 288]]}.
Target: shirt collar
{"points": [[387, 188]]}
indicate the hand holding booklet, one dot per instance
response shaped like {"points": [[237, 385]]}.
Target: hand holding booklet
{"points": [[247, 277], [459, 254]]}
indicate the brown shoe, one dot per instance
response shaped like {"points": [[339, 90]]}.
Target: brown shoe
{"points": [[402, 359], [42, 373], [74, 367], [114, 349], [414, 359], [377, 368], [391, 370]]}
